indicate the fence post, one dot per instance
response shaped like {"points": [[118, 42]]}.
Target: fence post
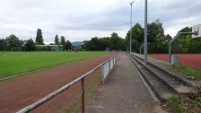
{"points": [[113, 62], [83, 95], [109, 65], [103, 71]]}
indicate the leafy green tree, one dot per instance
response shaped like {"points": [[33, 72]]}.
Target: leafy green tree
{"points": [[138, 33], [68, 45], [39, 37], [167, 38], [93, 44], [180, 45], [62, 40], [29, 45], [186, 29], [195, 46], [56, 40], [137, 37], [2, 45], [104, 43], [155, 31], [158, 41], [85, 45], [185, 43], [116, 43], [12, 41]]}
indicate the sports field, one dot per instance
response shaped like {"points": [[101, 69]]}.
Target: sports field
{"points": [[14, 63], [19, 92]]}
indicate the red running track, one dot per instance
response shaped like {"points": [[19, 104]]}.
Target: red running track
{"points": [[189, 60]]}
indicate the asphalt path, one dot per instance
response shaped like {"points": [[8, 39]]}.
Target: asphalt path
{"points": [[123, 92]]}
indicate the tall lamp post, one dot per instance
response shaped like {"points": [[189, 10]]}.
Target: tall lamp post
{"points": [[145, 33], [131, 3]]}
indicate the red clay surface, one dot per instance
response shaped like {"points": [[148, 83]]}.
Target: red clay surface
{"points": [[190, 60], [19, 92]]}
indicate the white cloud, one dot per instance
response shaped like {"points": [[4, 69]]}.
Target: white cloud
{"points": [[80, 20]]}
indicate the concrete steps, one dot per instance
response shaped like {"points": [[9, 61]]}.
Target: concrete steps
{"points": [[162, 83]]}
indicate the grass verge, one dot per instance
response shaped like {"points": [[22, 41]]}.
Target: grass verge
{"points": [[188, 71], [184, 104]]}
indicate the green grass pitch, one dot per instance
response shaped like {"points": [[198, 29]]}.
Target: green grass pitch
{"points": [[15, 63]]}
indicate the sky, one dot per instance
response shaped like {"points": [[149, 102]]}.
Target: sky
{"points": [[79, 20]]}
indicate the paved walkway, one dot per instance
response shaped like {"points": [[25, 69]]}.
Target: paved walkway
{"points": [[123, 92]]}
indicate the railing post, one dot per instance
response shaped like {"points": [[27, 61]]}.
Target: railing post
{"points": [[103, 72], [113, 61], [83, 94], [109, 65]]}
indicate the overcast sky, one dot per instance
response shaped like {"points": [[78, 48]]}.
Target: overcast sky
{"points": [[79, 20]]}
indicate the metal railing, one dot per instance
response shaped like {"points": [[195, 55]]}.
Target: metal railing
{"points": [[106, 66]]}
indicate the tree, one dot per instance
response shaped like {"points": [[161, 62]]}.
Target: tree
{"points": [[113, 41], [104, 43], [56, 40], [185, 43], [195, 45], [93, 44], [68, 45], [116, 43], [12, 41], [186, 29], [137, 33], [158, 41], [62, 40], [2, 45], [137, 37], [85, 45], [29, 45], [39, 37], [156, 37], [168, 38]]}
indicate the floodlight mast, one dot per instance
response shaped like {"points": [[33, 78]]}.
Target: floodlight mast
{"points": [[145, 33], [131, 3], [142, 46]]}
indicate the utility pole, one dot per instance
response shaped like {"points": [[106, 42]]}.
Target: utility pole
{"points": [[131, 3]]}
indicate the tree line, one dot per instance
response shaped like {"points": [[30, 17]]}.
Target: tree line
{"points": [[186, 44], [13, 41], [157, 41], [105, 43]]}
